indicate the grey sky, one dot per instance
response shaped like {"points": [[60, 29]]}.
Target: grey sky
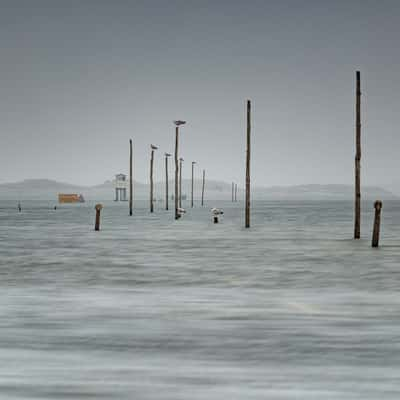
{"points": [[79, 78]]}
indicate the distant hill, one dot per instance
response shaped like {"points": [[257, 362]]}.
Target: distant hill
{"points": [[45, 189]]}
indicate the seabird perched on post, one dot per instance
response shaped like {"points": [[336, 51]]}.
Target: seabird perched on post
{"points": [[179, 122]]}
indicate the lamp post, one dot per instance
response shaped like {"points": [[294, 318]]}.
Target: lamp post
{"points": [[177, 124], [151, 177], [166, 179], [193, 163], [180, 182]]}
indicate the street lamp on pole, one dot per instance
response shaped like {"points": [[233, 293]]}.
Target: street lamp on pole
{"points": [[177, 124], [166, 179], [193, 163]]}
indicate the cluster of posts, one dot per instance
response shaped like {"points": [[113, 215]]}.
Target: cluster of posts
{"points": [[178, 176]]}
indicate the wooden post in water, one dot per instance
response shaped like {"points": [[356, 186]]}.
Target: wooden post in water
{"points": [[202, 187], [177, 124], [191, 197], [180, 182], [98, 208], [247, 209], [176, 173], [151, 178], [166, 180], [130, 177], [235, 192], [377, 223], [357, 205]]}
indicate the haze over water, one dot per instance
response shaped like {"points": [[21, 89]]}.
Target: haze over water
{"points": [[150, 308]]}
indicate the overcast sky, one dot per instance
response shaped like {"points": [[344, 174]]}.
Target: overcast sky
{"points": [[79, 78]]}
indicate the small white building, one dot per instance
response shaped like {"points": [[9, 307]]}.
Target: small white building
{"points": [[121, 185]]}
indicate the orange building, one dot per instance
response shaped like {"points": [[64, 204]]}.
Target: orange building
{"points": [[70, 198]]}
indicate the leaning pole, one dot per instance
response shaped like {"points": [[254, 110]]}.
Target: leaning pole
{"points": [[357, 205], [247, 212]]}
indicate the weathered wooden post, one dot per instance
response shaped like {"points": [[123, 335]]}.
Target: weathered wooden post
{"points": [[235, 192], [357, 206], [247, 210], [202, 187], [151, 177], [166, 180], [98, 208], [177, 124], [130, 177], [180, 182], [191, 197], [176, 172], [377, 223]]}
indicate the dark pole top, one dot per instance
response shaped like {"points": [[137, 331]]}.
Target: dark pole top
{"points": [[378, 205]]}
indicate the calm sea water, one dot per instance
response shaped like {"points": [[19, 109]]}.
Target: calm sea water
{"points": [[152, 308]]}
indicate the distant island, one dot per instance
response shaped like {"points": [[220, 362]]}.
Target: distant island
{"points": [[45, 189]]}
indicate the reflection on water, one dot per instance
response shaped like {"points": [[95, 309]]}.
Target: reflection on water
{"points": [[152, 308]]}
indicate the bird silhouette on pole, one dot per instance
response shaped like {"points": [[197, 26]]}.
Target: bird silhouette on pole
{"points": [[177, 123]]}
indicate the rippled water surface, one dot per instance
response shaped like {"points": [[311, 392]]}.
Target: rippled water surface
{"points": [[152, 308]]}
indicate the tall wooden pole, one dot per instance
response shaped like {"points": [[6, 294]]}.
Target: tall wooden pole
{"points": [[130, 177], [166, 180], [235, 192], [151, 181], [191, 197], [176, 172], [180, 182], [357, 206], [202, 187], [247, 210]]}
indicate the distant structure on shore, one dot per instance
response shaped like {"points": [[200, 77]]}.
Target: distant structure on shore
{"points": [[121, 185], [70, 198]]}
